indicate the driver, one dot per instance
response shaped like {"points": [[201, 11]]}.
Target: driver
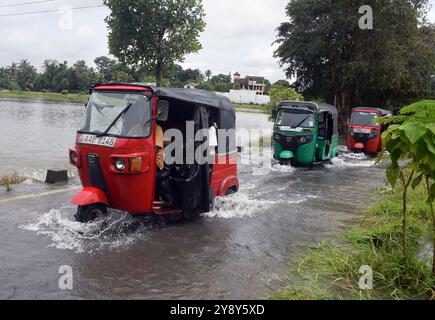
{"points": [[160, 159]]}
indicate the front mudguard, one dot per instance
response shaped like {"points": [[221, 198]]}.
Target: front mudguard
{"points": [[286, 155], [90, 195]]}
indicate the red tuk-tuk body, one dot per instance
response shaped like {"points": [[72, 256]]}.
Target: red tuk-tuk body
{"points": [[116, 152], [364, 135]]}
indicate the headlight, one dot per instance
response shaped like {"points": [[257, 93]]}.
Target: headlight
{"points": [[303, 140], [120, 164]]}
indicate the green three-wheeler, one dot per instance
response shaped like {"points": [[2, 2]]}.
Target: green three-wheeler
{"points": [[305, 133]]}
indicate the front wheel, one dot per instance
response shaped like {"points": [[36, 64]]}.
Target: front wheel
{"points": [[288, 163], [86, 214]]}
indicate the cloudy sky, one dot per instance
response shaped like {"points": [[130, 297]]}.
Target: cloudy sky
{"points": [[238, 36]]}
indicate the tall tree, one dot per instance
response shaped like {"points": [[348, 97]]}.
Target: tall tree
{"points": [[154, 33], [208, 75], [81, 76], [26, 75], [323, 46], [106, 68]]}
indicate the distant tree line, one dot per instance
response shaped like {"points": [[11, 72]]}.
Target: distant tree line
{"points": [[58, 76]]}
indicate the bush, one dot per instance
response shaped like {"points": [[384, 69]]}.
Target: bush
{"points": [[44, 91], [280, 93], [64, 92]]}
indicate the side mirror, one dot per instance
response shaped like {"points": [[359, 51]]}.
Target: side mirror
{"points": [[274, 113], [162, 110]]}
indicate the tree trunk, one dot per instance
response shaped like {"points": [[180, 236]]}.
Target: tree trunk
{"points": [[405, 212], [405, 221], [159, 73], [343, 102], [433, 222]]}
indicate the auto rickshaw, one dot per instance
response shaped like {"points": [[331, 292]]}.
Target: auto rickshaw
{"points": [[365, 135], [116, 151], [305, 133]]}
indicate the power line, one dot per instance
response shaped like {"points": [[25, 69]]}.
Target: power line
{"points": [[48, 11], [25, 3]]}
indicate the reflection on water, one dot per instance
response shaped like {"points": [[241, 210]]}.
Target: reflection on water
{"points": [[36, 135]]}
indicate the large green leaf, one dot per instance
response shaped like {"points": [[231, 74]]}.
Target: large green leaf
{"points": [[393, 172], [416, 182], [414, 131], [430, 144], [431, 127]]}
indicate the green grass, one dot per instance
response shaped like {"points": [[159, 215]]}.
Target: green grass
{"points": [[83, 98], [251, 108], [45, 96], [331, 270], [9, 181]]}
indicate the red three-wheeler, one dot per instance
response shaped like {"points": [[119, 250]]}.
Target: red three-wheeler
{"points": [[116, 151], [365, 135]]}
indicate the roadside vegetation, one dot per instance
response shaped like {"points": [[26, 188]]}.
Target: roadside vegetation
{"points": [[330, 271], [9, 181], [46, 96], [394, 237], [256, 108], [82, 98]]}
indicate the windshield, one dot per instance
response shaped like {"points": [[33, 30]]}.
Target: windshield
{"points": [[295, 119], [133, 110], [363, 119]]}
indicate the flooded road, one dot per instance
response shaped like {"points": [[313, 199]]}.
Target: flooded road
{"points": [[238, 251]]}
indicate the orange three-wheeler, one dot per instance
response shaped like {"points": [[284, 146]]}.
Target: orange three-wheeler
{"points": [[116, 151]]}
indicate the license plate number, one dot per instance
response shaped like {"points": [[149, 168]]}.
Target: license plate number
{"points": [[362, 131], [97, 141]]}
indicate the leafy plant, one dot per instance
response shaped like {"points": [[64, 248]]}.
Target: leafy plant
{"points": [[410, 142]]}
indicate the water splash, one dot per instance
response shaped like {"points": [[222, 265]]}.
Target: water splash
{"points": [[343, 162], [283, 168], [238, 205], [111, 232]]}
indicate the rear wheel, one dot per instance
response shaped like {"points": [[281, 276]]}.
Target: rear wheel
{"points": [[86, 214]]}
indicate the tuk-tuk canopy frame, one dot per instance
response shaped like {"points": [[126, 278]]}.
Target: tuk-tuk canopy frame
{"points": [[314, 107], [193, 96], [384, 112]]}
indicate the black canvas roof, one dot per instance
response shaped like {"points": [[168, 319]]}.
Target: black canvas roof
{"points": [[194, 96], [310, 105]]}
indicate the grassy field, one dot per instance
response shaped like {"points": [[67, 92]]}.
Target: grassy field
{"points": [[45, 96], [331, 270], [83, 98], [251, 108]]}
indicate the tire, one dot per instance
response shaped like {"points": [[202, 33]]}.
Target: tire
{"points": [[285, 162], [86, 214], [230, 191]]}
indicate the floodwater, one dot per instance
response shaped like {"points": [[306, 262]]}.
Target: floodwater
{"points": [[238, 251]]}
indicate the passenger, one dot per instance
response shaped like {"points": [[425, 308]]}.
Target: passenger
{"points": [[163, 175], [160, 145], [213, 141]]}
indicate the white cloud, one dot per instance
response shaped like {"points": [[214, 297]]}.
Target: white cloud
{"points": [[238, 36]]}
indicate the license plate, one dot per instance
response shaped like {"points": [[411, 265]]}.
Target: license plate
{"points": [[97, 141], [362, 131], [290, 129]]}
